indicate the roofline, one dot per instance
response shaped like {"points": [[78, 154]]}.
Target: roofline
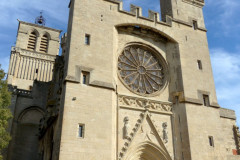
{"points": [[35, 25]]}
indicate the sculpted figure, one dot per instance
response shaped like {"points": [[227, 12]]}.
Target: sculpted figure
{"points": [[126, 128], [165, 132]]}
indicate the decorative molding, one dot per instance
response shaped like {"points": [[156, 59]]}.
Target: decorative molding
{"points": [[145, 32], [24, 93], [132, 135], [144, 104], [33, 54], [19, 92]]}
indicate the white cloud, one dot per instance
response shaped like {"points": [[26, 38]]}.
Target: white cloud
{"points": [[226, 70]]}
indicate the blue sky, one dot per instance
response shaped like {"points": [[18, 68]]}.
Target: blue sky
{"points": [[221, 18]]}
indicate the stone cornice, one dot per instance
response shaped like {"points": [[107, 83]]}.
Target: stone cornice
{"points": [[35, 25], [136, 103], [33, 54]]}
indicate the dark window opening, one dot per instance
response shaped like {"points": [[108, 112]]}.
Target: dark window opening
{"points": [[85, 78], [211, 142], [199, 64], [195, 26], [36, 70], [81, 130], [206, 100], [87, 39]]}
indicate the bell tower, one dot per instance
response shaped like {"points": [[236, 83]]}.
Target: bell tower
{"points": [[33, 56], [30, 70]]}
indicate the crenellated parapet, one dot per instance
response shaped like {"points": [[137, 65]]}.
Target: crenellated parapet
{"points": [[167, 13], [137, 11]]}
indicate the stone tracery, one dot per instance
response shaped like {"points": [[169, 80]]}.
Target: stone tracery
{"points": [[141, 70]]}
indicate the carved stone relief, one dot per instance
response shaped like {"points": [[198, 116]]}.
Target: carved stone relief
{"points": [[144, 130], [165, 132], [139, 103], [126, 128], [33, 54]]}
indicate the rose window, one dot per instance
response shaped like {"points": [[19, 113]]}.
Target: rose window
{"points": [[140, 70]]}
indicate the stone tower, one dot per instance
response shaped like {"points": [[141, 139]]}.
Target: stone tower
{"points": [[33, 56], [135, 87], [30, 70], [129, 87]]}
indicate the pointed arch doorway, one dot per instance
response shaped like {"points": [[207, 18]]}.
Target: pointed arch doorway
{"points": [[147, 151]]}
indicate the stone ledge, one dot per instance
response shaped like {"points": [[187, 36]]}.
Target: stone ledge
{"points": [[183, 99], [36, 25], [102, 85], [227, 113]]}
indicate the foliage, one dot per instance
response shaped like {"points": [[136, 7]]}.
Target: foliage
{"points": [[5, 113]]}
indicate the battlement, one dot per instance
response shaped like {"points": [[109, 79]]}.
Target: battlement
{"points": [[137, 11], [154, 16]]}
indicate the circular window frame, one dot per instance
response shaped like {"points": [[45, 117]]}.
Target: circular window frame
{"points": [[160, 60]]}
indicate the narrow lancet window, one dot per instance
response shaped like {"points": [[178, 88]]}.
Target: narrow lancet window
{"points": [[211, 142], [199, 65], [206, 100], [85, 78], [195, 25], [80, 130], [87, 39]]}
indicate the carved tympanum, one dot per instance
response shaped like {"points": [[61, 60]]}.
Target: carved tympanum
{"points": [[141, 70]]}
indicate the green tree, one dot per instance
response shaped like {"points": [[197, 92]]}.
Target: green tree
{"points": [[5, 113]]}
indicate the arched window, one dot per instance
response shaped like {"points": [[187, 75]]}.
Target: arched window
{"points": [[32, 41], [44, 44]]}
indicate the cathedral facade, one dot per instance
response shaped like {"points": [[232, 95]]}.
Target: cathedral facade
{"points": [[126, 87]]}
